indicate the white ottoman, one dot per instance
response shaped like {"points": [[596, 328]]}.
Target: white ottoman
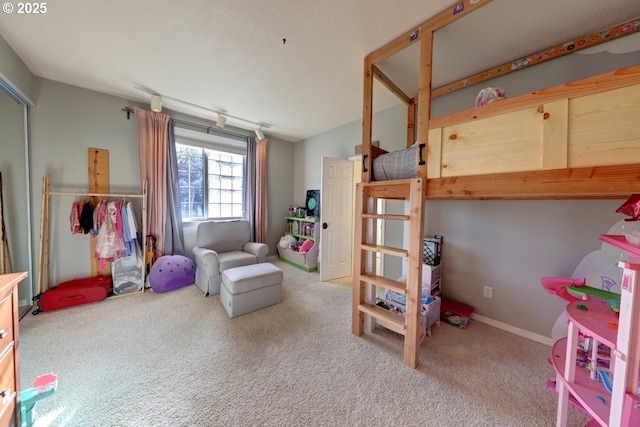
{"points": [[250, 287]]}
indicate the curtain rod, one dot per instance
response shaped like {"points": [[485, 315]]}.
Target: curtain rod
{"points": [[204, 128]]}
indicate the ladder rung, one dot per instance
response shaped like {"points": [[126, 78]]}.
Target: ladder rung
{"points": [[397, 189], [386, 216], [384, 282], [385, 250], [387, 183], [381, 313]]}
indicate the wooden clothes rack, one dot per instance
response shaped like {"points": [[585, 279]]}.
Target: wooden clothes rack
{"points": [[44, 255], [5, 259]]}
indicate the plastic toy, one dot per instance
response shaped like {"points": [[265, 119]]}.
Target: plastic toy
{"points": [[583, 292], [304, 248], [43, 386], [606, 381], [558, 286]]}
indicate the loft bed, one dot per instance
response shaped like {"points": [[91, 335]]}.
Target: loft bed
{"points": [[580, 139], [575, 140]]}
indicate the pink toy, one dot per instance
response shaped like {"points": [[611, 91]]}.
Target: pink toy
{"points": [[304, 248], [558, 286], [631, 207]]}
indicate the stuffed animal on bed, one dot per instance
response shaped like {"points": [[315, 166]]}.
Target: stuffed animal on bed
{"points": [[489, 95]]}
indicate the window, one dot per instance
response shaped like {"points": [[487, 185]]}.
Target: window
{"points": [[211, 180]]}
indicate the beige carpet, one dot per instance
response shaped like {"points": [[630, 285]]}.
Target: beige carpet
{"points": [[176, 359]]}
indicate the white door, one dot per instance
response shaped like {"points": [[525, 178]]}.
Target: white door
{"points": [[336, 216]]}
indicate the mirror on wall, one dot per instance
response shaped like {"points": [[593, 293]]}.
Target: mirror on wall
{"points": [[15, 194]]}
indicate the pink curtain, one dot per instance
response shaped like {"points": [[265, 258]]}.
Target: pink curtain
{"points": [[152, 157], [261, 191]]}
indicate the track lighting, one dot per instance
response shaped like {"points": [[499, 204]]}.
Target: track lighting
{"points": [[221, 121], [156, 103], [259, 133]]}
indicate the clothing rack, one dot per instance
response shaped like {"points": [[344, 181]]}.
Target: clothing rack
{"points": [[43, 259], [5, 258]]}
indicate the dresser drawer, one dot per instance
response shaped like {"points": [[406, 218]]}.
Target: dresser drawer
{"points": [[7, 377], [7, 414], [6, 323]]}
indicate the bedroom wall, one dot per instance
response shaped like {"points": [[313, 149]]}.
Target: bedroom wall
{"points": [[508, 245], [66, 121], [551, 73], [340, 143], [15, 71]]}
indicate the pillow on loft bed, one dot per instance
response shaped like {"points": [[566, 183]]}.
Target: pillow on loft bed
{"points": [[396, 165]]}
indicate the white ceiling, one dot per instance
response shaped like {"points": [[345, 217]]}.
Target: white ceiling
{"points": [[229, 55]]}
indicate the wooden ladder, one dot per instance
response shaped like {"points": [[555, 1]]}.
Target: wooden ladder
{"points": [[365, 280]]}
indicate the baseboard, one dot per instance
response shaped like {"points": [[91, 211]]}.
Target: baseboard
{"points": [[512, 329]]}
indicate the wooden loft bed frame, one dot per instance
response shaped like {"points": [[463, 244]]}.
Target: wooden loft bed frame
{"points": [[568, 141], [582, 147], [558, 165]]}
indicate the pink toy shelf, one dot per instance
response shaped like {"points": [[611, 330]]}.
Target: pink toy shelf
{"points": [[617, 404]]}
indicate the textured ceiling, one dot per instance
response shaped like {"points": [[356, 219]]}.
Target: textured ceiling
{"points": [[229, 55]]}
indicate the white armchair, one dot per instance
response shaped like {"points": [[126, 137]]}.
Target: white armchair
{"points": [[220, 246]]}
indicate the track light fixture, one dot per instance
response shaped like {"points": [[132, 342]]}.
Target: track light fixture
{"points": [[156, 103], [259, 133], [221, 121]]}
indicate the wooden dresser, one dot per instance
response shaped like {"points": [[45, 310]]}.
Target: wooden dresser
{"points": [[9, 357]]}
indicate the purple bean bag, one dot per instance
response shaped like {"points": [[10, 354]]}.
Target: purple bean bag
{"points": [[171, 272]]}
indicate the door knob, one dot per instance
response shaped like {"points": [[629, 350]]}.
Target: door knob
{"points": [[324, 225]]}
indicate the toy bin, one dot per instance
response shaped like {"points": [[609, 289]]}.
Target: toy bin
{"points": [[455, 313], [432, 308], [429, 316]]}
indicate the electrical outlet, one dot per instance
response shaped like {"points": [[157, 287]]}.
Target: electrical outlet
{"points": [[488, 292]]}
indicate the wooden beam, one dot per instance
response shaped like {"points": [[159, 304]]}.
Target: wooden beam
{"points": [[603, 182], [389, 84], [580, 43], [395, 189], [414, 274], [358, 289], [367, 119], [424, 98], [411, 122], [451, 14], [98, 171]]}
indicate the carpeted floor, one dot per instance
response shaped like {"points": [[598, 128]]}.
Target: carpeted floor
{"points": [[176, 359]]}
